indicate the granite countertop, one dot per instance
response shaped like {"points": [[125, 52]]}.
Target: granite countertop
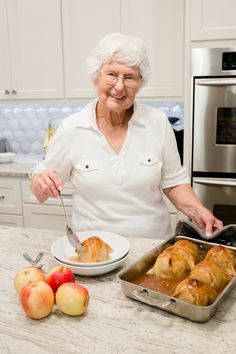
{"points": [[15, 169], [113, 322]]}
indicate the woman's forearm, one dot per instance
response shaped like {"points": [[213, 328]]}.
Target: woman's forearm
{"points": [[185, 200]]}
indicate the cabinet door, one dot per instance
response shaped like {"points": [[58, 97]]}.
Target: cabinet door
{"points": [[160, 23], [84, 23], [212, 19], [5, 74], [34, 32], [10, 196]]}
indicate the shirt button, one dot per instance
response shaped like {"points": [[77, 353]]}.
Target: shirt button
{"points": [[149, 160], [86, 166]]}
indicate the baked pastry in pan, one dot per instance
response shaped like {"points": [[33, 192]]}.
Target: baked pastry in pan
{"points": [[176, 260], [210, 274], [224, 257], [195, 292]]}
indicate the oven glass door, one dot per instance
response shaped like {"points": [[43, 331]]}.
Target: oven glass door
{"points": [[214, 127], [218, 195]]}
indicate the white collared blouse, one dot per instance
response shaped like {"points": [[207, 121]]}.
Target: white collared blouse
{"points": [[120, 193]]}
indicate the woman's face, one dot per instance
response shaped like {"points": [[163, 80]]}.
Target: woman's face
{"points": [[117, 85]]}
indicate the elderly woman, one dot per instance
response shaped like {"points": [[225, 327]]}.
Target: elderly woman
{"points": [[121, 156]]}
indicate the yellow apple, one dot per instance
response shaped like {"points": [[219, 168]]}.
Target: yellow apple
{"points": [[25, 275], [72, 299], [37, 299]]}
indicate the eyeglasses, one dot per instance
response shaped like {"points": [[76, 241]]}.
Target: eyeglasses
{"points": [[111, 78]]}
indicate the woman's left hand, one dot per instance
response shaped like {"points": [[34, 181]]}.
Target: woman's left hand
{"points": [[206, 221], [185, 200]]}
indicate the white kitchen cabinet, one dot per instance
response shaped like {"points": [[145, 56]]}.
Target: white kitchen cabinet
{"points": [[19, 207], [5, 70], [159, 22], [50, 214], [44, 216], [11, 220], [84, 23], [31, 60], [212, 19], [10, 196], [10, 202]]}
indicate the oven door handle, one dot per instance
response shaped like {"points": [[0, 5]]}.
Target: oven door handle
{"points": [[216, 82], [216, 182]]}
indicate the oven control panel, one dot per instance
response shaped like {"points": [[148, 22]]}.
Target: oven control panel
{"points": [[229, 61]]}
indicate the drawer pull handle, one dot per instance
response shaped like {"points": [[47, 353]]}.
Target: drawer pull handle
{"points": [[2, 197]]}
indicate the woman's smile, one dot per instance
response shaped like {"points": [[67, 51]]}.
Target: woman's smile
{"points": [[117, 97]]}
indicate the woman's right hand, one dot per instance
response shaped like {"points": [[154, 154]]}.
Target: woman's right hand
{"points": [[46, 184]]}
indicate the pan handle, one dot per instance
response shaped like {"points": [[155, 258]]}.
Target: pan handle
{"points": [[143, 296]]}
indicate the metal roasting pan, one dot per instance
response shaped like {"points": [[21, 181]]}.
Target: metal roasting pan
{"points": [[162, 301]]}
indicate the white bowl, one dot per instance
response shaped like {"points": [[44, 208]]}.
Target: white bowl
{"points": [[95, 270], [63, 250], [6, 157]]}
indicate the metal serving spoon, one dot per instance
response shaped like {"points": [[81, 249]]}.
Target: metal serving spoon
{"points": [[75, 242]]}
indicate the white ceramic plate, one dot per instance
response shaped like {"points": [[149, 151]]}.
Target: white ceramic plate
{"points": [[92, 271], [63, 250], [90, 265], [6, 157]]}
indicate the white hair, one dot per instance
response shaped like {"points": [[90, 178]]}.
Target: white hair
{"points": [[124, 48]]}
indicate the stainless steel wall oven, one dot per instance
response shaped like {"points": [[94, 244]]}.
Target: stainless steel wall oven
{"points": [[214, 130]]}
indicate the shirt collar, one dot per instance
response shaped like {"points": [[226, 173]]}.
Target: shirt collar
{"points": [[87, 118], [88, 115], [139, 114]]}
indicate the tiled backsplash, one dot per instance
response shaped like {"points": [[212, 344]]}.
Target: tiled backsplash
{"points": [[24, 125]]}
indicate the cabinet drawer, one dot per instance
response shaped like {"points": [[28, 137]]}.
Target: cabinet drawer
{"points": [[10, 196], [28, 196], [47, 217], [11, 220]]}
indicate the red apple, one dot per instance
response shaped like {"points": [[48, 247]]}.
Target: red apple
{"points": [[72, 299], [58, 276], [37, 299], [25, 275]]}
